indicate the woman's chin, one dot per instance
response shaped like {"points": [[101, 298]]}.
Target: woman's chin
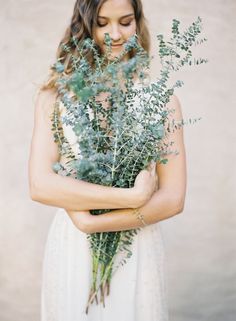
{"points": [[114, 55]]}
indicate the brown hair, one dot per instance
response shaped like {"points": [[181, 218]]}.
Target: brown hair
{"points": [[82, 22]]}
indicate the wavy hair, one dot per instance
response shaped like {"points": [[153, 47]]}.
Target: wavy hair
{"points": [[83, 20]]}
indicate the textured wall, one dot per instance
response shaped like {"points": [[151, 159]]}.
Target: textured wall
{"points": [[200, 248]]}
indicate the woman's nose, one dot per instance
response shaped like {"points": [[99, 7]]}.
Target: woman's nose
{"points": [[115, 34]]}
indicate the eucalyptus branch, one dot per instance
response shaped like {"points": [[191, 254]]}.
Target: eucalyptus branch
{"points": [[137, 123]]}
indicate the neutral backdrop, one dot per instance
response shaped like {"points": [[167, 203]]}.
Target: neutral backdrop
{"points": [[200, 242]]}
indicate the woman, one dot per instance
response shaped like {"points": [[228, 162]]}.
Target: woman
{"points": [[137, 290]]}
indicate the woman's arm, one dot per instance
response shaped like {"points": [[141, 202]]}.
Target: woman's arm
{"points": [[167, 201], [49, 188]]}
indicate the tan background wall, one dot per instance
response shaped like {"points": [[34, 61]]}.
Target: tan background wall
{"points": [[200, 243]]}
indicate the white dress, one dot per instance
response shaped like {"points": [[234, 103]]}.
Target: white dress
{"points": [[137, 289]]}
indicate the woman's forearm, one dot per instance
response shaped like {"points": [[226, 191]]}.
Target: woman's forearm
{"points": [[162, 205], [72, 194]]}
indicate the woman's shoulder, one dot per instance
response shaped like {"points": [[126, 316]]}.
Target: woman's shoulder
{"points": [[175, 105], [174, 101], [45, 100], [46, 95]]}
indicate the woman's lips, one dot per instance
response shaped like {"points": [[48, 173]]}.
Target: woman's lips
{"points": [[117, 46]]}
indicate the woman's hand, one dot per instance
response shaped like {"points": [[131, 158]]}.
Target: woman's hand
{"points": [[146, 183]]}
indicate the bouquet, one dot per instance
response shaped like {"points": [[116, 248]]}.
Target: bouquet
{"points": [[135, 131]]}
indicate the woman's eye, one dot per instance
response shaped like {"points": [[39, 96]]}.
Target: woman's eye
{"points": [[126, 24], [101, 25], [122, 24]]}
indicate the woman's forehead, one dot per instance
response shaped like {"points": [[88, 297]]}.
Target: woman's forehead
{"points": [[116, 8]]}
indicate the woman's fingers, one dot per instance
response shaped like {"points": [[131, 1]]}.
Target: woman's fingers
{"points": [[152, 167], [154, 173]]}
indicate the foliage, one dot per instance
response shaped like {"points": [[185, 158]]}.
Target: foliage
{"points": [[121, 125]]}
